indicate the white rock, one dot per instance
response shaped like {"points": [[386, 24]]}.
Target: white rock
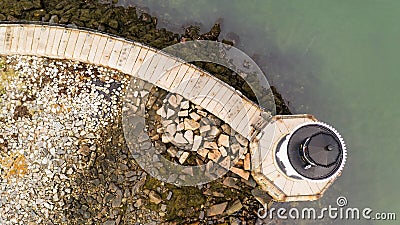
{"points": [[215, 131], [226, 128], [165, 123], [185, 105], [210, 145], [161, 112], [223, 151], [172, 151], [196, 142], [174, 101], [171, 129], [203, 152], [166, 138], [191, 124], [214, 155], [195, 116], [235, 148], [181, 126], [170, 112], [183, 157], [223, 140], [183, 113], [202, 113], [189, 136], [179, 139], [205, 128]]}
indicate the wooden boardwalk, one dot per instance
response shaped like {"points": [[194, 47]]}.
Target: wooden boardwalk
{"points": [[182, 78], [130, 57]]}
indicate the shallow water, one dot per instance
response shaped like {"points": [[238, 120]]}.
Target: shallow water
{"points": [[337, 60]]}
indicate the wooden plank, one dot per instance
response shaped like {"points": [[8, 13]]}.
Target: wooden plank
{"points": [[93, 48], [15, 39], [50, 42], [245, 126], [314, 187], [88, 46], [225, 98], [57, 41], [278, 179], [22, 41], [69, 50], [164, 63], [287, 189], [30, 31], [166, 81], [235, 108], [80, 43], [238, 119], [268, 168], [191, 84], [149, 57], [157, 61], [219, 110], [105, 56], [43, 38], [131, 59], [139, 61], [36, 39], [232, 105], [2, 40], [213, 92], [8, 40], [185, 80], [215, 103], [63, 43], [100, 48], [123, 57], [178, 78], [147, 68], [204, 93], [115, 54], [196, 89]]}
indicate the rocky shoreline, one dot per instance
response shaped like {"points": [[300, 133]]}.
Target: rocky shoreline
{"points": [[127, 23], [97, 181]]}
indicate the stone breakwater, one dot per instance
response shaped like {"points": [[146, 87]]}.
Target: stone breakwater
{"points": [[190, 135]]}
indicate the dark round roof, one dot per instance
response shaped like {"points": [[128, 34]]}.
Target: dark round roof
{"points": [[322, 149], [315, 151]]}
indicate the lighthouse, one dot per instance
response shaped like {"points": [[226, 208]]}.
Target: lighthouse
{"points": [[297, 157]]}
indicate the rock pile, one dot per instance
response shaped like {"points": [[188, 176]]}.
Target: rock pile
{"points": [[193, 136]]}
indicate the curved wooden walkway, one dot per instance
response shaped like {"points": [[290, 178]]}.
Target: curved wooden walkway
{"points": [[128, 57]]}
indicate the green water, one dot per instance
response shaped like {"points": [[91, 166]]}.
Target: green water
{"points": [[338, 60]]}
